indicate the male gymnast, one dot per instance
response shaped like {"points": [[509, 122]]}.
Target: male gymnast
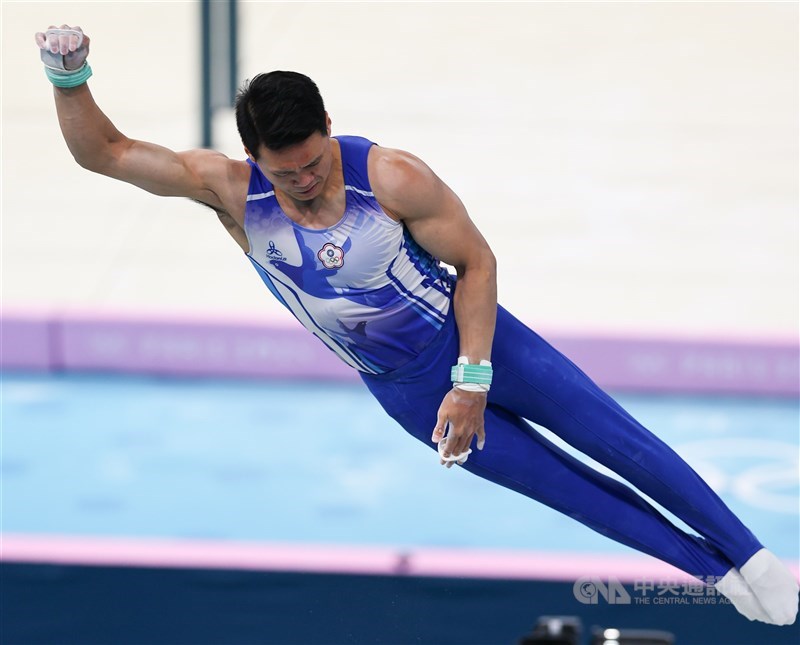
{"points": [[349, 236]]}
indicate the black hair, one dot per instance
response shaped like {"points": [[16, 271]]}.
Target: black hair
{"points": [[279, 109]]}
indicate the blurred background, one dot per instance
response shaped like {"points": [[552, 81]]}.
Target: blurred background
{"points": [[635, 168], [634, 165]]}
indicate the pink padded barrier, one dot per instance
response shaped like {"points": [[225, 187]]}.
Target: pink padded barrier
{"points": [[229, 349], [344, 559]]}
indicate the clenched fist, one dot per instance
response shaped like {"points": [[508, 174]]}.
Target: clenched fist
{"points": [[63, 48]]}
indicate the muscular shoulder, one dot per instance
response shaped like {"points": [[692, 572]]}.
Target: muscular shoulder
{"points": [[226, 179], [403, 184], [217, 170]]}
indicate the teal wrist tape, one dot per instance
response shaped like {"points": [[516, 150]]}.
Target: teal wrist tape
{"points": [[69, 79], [462, 373]]}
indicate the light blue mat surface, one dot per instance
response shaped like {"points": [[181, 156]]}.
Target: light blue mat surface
{"points": [[321, 463]]}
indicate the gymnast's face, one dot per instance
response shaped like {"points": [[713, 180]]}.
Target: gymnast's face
{"points": [[300, 171]]}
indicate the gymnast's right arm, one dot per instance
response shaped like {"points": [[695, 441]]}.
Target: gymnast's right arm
{"points": [[97, 145]]}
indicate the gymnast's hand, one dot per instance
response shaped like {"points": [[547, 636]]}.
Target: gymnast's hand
{"points": [[461, 413], [63, 47]]}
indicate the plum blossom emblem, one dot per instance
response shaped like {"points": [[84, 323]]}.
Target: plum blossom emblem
{"points": [[331, 256]]}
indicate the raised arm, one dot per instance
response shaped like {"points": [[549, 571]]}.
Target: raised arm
{"points": [[438, 221], [97, 145]]}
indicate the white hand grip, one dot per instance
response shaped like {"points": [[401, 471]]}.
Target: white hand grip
{"points": [[460, 459], [58, 61]]}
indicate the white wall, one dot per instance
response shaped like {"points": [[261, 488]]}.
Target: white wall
{"points": [[634, 165]]}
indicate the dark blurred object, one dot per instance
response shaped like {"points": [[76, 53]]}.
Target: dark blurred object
{"points": [[613, 636], [566, 630], [554, 630]]}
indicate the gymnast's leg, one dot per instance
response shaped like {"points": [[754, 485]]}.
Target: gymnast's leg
{"points": [[536, 382], [518, 457]]}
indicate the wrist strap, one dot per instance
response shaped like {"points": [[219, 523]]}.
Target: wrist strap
{"points": [[472, 387], [474, 378], [69, 79]]}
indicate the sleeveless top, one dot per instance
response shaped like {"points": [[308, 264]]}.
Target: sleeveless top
{"points": [[363, 286]]}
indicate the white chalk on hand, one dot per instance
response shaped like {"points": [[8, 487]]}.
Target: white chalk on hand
{"points": [[459, 459]]}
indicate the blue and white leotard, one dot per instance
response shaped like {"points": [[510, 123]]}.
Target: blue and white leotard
{"points": [[363, 286]]}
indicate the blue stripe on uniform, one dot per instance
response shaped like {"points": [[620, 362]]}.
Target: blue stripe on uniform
{"points": [[345, 353]]}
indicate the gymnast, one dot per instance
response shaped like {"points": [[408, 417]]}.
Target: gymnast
{"points": [[350, 237]]}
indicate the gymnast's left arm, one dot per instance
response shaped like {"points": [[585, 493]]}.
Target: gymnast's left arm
{"points": [[438, 221]]}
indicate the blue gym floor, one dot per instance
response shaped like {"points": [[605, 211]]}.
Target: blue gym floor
{"points": [[321, 463]]}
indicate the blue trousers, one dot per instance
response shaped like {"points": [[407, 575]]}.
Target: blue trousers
{"points": [[534, 381]]}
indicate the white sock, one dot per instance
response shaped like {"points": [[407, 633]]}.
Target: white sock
{"points": [[734, 587], [774, 585]]}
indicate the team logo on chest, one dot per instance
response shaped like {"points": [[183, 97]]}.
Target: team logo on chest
{"points": [[331, 256]]}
